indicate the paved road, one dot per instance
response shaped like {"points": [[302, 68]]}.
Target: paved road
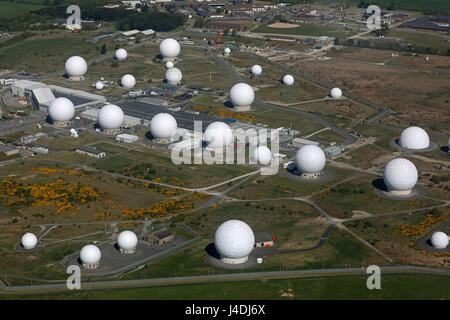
{"points": [[48, 288]]}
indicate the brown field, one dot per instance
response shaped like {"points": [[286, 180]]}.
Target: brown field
{"points": [[361, 54], [280, 25], [424, 101]]}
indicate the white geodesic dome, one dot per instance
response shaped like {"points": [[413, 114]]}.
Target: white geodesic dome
{"points": [[218, 135], [169, 64], [400, 175], [29, 241], [262, 155], [336, 93], [127, 240], [288, 80], [121, 54], [256, 70], [439, 240], [128, 81], [414, 138], [169, 48], [61, 110], [90, 254], [110, 117], [310, 159], [163, 126], [241, 94], [76, 66], [234, 239], [173, 75]]}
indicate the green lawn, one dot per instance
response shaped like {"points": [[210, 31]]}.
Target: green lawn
{"points": [[402, 4], [395, 286], [421, 40], [308, 30]]}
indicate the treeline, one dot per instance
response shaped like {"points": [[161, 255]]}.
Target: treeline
{"points": [[124, 19], [393, 46]]}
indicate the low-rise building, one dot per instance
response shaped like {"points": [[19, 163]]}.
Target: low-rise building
{"points": [[8, 150], [263, 240], [127, 138], [160, 237], [91, 152]]}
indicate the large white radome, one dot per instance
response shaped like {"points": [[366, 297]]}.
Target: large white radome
{"points": [[110, 117], [218, 135], [121, 54], [29, 241], [336, 93], [288, 80], [439, 240], [127, 240], [76, 66], [256, 70], [262, 155], [163, 126], [241, 94], [61, 109], [414, 138], [128, 81], [310, 159], [169, 48], [234, 239], [173, 75], [400, 175], [90, 254]]}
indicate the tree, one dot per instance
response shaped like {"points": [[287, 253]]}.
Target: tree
{"points": [[103, 49]]}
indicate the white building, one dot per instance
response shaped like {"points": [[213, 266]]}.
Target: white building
{"points": [[127, 138]]}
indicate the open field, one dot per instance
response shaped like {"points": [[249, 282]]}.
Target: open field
{"points": [[423, 102], [361, 54], [421, 40], [405, 4], [307, 30], [358, 195], [346, 287], [45, 53]]}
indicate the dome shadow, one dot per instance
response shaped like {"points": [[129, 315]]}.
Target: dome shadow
{"points": [[380, 185], [228, 104], [444, 149], [212, 251], [149, 135]]}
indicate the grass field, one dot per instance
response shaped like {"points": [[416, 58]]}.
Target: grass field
{"points": [[10, 9], [346, 287], [422, 40], [308, 30]]}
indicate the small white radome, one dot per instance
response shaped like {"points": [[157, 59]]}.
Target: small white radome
{"points": [[128, 81], [110, 117], [169, 48], [76, 66], [121, 54], [241, 94], [336, 93], [439, 240], [127, 240], [256, 70], [29, 240], [288, 80], [218, 135], [414, 138], [90, 254]]}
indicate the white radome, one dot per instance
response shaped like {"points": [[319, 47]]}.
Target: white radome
{"points": [[99, 85], [400, 175], [169, 65], [29, 241], [218, 135], [439, 240], [169, 48], [90, 254], [414, 138], [288, 80], [227, 50], [110, 117], [241, 94], [256, 70], [310, 159], [234, 239], [262, 155], [173, 75], [163, 126], [121, 54], [128, 81], [127, 240], [61, 110], [336, 93], [76, 66]]}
